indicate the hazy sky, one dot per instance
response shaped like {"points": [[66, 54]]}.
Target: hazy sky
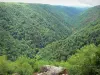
{"points": [[60, 2]]}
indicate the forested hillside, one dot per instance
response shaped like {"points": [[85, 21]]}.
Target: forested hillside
{"points": [[29, 23], [33, 35], [34, 26], [88, 34], [37, 24], [89, 16]]}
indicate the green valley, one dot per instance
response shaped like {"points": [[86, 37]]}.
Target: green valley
{"points": [[33, 35]]}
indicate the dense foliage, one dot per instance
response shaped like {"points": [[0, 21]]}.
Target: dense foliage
{"points": [[32, 35], [62, 49], [89, 16], [32, 26], [37, 24], [84, 62]]}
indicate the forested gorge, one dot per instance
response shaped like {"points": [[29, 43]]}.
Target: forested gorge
{"points": [[33, 35]]}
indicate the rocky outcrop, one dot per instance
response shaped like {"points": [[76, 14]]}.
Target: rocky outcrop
{"points": [[52, 70], [15, 74]]}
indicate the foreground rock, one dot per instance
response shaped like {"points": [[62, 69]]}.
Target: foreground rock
{"points": [[15, 74], [52, 70]]}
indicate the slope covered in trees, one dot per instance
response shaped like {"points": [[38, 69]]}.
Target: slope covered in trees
{"points": [[37, 24], [32, 26], [33, 35], [88, 34], [89, 16], [13, 48]]}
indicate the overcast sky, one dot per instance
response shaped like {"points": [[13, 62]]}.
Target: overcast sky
{"points": [[60, 2]]}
